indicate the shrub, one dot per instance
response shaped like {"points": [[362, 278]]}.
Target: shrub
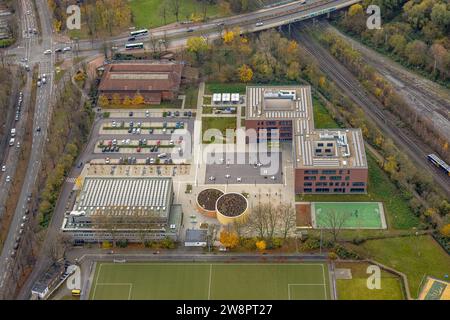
{"points": [[249, 243], [261, 245], [106, 245], [358, 240], [277, 243], [332, 255], [122, 243], [345, 253], [167, 243], [311, 244]]}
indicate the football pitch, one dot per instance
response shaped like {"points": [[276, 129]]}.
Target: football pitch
{"points": [[210, 281], [352, 215]]}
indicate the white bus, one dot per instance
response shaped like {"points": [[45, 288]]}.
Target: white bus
{"points": [[138, 33], [132, 46]]}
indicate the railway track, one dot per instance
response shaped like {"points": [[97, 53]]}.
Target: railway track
{"points": [[345, 80]]}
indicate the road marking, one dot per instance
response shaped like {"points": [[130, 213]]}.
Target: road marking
{"points": [[209, 286]]}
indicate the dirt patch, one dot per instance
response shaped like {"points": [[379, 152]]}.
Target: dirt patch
{"points": [[303, 215]]}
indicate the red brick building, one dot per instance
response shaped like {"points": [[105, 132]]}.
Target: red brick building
{"points": [[156, 81]]}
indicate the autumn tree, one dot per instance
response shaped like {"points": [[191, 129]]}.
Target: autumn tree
{"points": [[103, 101], [198, 46], [445, 230], [261, 245], [229, 239], [228, 36], [138, 100], [116, 99], [127, 101]]}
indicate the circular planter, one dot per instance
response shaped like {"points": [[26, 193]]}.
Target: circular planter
{"points": [[231, 207], [206, 201]]}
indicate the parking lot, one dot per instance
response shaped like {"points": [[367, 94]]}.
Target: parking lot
{"points": [[145, 140], [227, 170]]}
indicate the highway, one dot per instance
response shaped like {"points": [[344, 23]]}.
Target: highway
{"points": [[344, 79], [270, 17]]}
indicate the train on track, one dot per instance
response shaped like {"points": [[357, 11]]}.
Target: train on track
{"points": [[438, 162]]}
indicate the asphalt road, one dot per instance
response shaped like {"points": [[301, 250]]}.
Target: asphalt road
{"points": [[34, 52], [345, 80], [177, 35]]}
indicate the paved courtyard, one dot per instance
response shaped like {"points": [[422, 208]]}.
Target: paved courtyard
{"points": [[238, 168]]}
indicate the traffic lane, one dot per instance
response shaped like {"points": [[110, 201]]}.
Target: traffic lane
{"points": [[27, 186]]}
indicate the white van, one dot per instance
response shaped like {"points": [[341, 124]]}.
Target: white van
{"points": [[13, 132], [11, 142]]}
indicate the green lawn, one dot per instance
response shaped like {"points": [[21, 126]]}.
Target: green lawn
{"points": [[322, 118], [356, 288], [203, 281], [415, 256], [355, 215], [148, 13], [220, 123], [191, 97]]}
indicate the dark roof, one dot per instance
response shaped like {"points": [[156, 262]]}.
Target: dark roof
{"points": [[195, 235], [141, 75], [48, 277]]}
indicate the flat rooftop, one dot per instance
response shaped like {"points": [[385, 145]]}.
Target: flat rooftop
{"points": [[313, 148], [141, 75]]}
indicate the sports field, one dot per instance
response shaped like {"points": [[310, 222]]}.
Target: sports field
{"points": [[206, 281], [352, 215]]}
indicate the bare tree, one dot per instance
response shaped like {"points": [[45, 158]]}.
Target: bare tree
{"points": [[58, 245], [176, 9], [163, 12], [334, 222], [257, 220], [286, 215]]}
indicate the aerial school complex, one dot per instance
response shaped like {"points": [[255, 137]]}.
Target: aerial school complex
{"points": [[137, 209]]}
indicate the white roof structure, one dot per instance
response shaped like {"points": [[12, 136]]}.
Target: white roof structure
{"points": [[124, 195], [217, 97], [235, 97]]}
